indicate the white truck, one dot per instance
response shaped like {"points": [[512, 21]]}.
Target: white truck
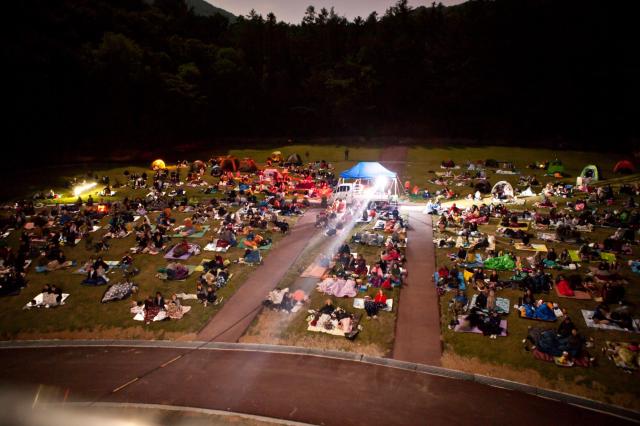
{"points": [[355, 191]]}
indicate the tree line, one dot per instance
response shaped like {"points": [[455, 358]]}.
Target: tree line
{"points": [[154, 73]]}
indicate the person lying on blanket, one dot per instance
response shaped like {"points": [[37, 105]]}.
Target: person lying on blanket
{"points": [[181, 249], [489, 324], [603, 315], [176, 271], [540, 310], [373, 306]]}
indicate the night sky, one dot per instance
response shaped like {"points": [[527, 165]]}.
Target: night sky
{"points": [[292, 11]]}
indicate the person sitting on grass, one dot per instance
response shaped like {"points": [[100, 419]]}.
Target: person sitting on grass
{"points": [[211, 296], [158, 300]]}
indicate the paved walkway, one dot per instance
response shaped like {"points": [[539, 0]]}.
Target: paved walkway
{"points": [[310, 389], [236, 315], [418, 325], [417, 337]]}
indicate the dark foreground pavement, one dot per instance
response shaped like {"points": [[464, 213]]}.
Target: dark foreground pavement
{"points": [[303, 388]]}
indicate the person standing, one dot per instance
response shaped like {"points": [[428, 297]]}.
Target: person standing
{"points": [[346, 154]]}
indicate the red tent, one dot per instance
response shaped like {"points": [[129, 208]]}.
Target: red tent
{"points": [[247, 165], [229, 164], [624, 166]]}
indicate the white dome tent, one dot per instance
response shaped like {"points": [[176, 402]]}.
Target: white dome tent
{"points": [[502, 192]]}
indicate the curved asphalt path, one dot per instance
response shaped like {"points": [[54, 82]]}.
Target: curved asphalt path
{"points": [[285, 386]]}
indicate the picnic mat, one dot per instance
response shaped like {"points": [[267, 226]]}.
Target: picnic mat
{"points": [[40, 299], [577, 294], [583, 361], [200, 234], [118, 291], [185, 256], [313, 271], [587, 314], [476, 330], [358, 303], [502, 304], [609, 257], [162, 272], [574, 255], [213, 246], [621, 355], [531, 247]]}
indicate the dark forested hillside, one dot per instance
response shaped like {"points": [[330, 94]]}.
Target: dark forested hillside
{"points": [[123, 71]]}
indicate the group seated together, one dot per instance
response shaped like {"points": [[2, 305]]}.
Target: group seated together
{"points": [[333, 320], [158, 309], [592, 270]]}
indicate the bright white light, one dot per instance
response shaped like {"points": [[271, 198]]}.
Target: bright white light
{"points": [[381, 182], [83, 187]]}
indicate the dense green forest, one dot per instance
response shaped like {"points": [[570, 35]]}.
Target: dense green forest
{"points": [[133, 71]]}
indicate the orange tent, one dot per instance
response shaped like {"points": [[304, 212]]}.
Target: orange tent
{"points": [[158, 165]]}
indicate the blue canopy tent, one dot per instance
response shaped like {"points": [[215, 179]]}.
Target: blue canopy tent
{"points": [[368, 170], [383, 179]]}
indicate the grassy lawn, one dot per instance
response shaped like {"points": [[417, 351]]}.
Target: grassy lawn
{"points": [[423, 161], [376, 337], [506, 357], [83, 316]]}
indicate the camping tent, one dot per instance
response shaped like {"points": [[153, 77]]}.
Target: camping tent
{"points": [[247, 165], [591, 172], [554, 167], [158, 165], [374, 173], [502, 191], [624, 166], [294, 159], [199, 165], [229, 164], [276, 157], [368, 171]]}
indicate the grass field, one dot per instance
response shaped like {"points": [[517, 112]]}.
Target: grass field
{"points": [[83, 316], [506, 357], [422, 162]]}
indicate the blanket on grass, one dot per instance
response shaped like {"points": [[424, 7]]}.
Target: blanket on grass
{"points": [[502, 304], [47, 300], [162, 273], [545, 312], [118, 291], [460, 328], [330, 325], [199, 234], [217, 247], [587, 315], [194, 250], [624, 355], [337, 287], [154, 313], [314, 271], [358, 303], [577, 294], [531, 247], [582, 361]]}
